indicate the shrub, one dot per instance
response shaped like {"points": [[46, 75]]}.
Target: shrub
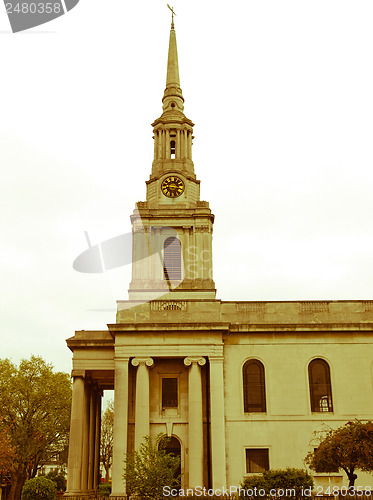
{"points": [[296, 480], [105, 489], [59, 478], [39, 488]]}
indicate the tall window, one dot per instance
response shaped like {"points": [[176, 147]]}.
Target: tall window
{"points": [[254, 395], [172, 259], [169, 393], [257, 459], [320, 387]]}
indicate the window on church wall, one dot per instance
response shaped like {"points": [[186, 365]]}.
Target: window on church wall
{"points": [[254, 387], [169, 392], [320, 386], [172, 259], [257, 460]]}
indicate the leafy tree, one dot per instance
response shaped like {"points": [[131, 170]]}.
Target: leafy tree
{"points": [[35, 407], [39, 488], [107, 426], [150, 468], [282, 479], [350, 447]]}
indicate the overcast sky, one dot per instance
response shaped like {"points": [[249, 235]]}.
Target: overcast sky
{"points": [[281, 95]]}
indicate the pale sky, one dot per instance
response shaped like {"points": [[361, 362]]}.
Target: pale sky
{"points": [[281, 96]]}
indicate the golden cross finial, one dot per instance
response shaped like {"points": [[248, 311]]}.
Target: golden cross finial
{"points": [[173, 13]]}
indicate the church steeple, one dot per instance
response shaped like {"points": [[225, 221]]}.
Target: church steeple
{"points": [[173, 131], [173, 97], [172, 229]]}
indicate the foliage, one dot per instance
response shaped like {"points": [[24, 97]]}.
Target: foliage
{"points": [[7, 451], [35, 411], [281, 479], [150, 468], [59, 478], [252, 482], [105, 489], [106, 447], [39, 488], [349, 447]]}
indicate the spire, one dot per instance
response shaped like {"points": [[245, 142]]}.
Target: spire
{"points": [[173, 99]]}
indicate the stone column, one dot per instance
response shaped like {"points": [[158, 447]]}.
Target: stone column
{"points": [[92, 435], [142, 399], [85, 442], [195, 421], [168, 149], [159, 143], [76, 434], [218, 465], [190, 145], [96, 471], [120, 425], [177, 155], [184, 144]]}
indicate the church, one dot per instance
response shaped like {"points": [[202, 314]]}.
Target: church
{"points": [[238, 387]]}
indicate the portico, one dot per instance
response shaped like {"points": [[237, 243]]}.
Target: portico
{"points": [[140, 363]]}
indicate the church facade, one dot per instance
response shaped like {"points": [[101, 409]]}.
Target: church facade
{"points": [[239, 387]]}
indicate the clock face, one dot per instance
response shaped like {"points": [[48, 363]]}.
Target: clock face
{"points": [[172, 186]]}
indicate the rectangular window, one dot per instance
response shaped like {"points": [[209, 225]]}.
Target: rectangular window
{"points": [[169, 393], [257, 459]]}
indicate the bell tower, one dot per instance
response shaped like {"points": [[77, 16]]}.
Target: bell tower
{"points": [[172, 229]]}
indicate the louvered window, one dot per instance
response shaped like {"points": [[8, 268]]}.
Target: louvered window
{"points": [[257, 460], [254, 387], [320, 386], [172, 259]]}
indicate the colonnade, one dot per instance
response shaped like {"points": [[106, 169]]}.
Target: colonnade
{"points": [[162, 143], [83, 465], [83, 472]]}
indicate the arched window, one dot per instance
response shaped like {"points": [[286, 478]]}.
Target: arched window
{"points": [[172, 259], [254, 392], [320, 387]]}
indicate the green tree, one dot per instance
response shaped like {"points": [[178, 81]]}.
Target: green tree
{"points": [[280, 480], [350, 447], [39, 488], [148, 470], [35, 408], [107, 427]]}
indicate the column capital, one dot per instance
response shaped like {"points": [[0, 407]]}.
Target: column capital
{"points": [[190, 360], [142, 361], [78, 373]]}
